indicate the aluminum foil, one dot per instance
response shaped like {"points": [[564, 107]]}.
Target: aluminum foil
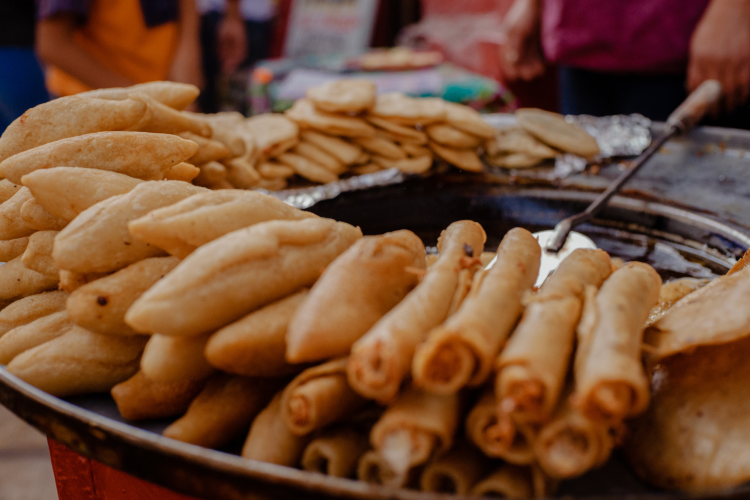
{"points": [[621, 135], [618, 135], [306, 197]]}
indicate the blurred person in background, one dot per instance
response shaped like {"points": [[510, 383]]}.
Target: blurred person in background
{"points": [[91, 44], [21, 77], [632, 56], [234, 34]]}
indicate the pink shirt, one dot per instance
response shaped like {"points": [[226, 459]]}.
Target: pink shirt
{"points": [[643, 36]]}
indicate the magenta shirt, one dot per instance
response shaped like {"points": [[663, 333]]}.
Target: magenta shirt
{"points": [[643, 36]]}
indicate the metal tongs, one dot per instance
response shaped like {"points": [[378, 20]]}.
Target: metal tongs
{"points": [[560, 242]]}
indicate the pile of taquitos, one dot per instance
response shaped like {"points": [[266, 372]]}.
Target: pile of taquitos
{"points": [[355, 356]]}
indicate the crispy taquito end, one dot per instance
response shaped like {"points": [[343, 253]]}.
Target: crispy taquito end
{"points": [[171, 359], [18, 281], [498, 435], [353, 293], [26, 310], [100, 306], [610, 382], [33, 334], [382, 358], [140, 398], [671, 293], [270, 440], [372, 468], [181, 228], [532, 367], [462, 350], [319, 396], [418, 425], [507, 481], [336, 452], [714, 314], [255, 345], [65, 192], [223, 410], [98, 240], [695, 436], [456, 471], [79, 362], [572, 443], [267, 261]]}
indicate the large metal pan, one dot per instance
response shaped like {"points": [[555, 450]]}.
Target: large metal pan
{"points": [[675, 241]]}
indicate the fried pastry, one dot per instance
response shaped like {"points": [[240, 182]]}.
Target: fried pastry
{"points": [[140, 398]]}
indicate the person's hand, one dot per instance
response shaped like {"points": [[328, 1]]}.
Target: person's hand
{"points": [[521, 55], [720, 50], [232, 41]]}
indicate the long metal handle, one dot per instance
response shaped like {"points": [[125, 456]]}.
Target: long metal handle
{"points": [[689, 113]]}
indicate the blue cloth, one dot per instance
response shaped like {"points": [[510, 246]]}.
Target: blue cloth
{"points": [[21, 83]]}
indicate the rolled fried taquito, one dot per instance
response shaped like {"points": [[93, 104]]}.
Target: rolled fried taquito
{"points": [[319, 396], [140, 398], [181, 228], [33, 334], [418, 425], [572, 443], [353, 293], [79, 362], [266, 261], [100, 306], [382, 358], [270, 440], [256, 344], [672, 292], [499, 437], [98, 240], [336, 452], [373, 468], [171, 359], [223, 410], [456, 471], [17, 281], [507, 481], [26, 310], [610, 381], [532, 367], [462, 350]]}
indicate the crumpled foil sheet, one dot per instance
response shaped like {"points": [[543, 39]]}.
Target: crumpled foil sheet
{"points": [[618, 135], [303, 198]]}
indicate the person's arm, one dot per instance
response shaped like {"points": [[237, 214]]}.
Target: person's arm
{"points": [[232, 38], [521, 55], [186, 64], [55, 46], [720, 50]]}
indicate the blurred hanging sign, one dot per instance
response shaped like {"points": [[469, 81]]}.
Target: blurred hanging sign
{"points": [[321, 27]]}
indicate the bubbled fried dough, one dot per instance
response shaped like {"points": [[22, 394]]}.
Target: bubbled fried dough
{"points": [[184, 226], [268, 261], [343, 96], [100, 306], [65, 192], [136, 154], [68, 117], [340, 309]]}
